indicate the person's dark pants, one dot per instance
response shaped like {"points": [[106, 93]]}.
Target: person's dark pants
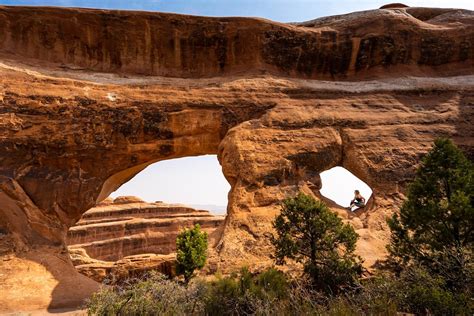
{"points": [[357, 204]]}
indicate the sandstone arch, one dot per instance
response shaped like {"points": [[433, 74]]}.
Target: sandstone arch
{"points": [[65, 143]]}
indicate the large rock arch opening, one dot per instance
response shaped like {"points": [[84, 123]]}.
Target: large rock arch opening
{"points": [[134, 230]]}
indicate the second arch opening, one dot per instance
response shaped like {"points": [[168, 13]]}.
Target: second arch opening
{"points": [[341, 186]]}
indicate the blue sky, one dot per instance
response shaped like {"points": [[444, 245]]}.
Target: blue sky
{"points": [[199, 180], [278, 10]]}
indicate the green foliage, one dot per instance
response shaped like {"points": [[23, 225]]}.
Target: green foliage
{"points": [[413, 291], [191, 251], [424, 293], [435, 227], [273, 293], [308, 232], [153, 296], [273, 282], [246, 294]]}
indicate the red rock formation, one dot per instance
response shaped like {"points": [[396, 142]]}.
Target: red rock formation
{"points": [[130, 234], [394, 6], [70, 135], [190, 46], [126, 267]]}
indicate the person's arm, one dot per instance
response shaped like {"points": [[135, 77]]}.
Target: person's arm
{"points": [[363, 199]]}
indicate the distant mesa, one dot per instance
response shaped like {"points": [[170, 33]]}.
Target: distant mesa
{"points": [[394, 6], [105, 202], [127, 199]]}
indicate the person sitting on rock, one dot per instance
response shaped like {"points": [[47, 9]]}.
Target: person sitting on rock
{"points": [[358, 201]]}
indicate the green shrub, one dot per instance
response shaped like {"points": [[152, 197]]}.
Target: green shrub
{"points": [[246, 294], [191, 251], [272, 282], [272, 293], [153, 296], [413, 291], [309, 233], [425, 293]]}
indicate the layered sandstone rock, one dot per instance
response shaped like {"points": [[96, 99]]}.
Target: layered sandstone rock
{"points": [[128, 236], [191, 46], [135, 266], [70, 135]]}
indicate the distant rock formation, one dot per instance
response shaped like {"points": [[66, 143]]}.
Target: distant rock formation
{"points": [[127, 236], [127, 267], [394, 6]]}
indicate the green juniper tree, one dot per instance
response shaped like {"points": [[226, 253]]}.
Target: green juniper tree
{"points": [[435, 227], [191, 248], [308, 232]]}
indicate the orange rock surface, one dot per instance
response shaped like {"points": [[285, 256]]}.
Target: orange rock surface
{"points": [[88, 98], [127, 236]]}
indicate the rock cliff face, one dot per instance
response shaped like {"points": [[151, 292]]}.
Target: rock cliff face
{"points": [[71, 134], [130, 235], [191, 46]]}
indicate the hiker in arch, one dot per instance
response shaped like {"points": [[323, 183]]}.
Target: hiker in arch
{"points": [[358, 201]]}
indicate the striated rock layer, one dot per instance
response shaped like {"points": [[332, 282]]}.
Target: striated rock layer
{"points": [[71, 134], [128, 236], [113, 272], [191, 46]]}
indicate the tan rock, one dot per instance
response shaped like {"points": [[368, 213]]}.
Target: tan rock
{"points": [[128, 267], [244, 89], [128, 228], [127, 199]]}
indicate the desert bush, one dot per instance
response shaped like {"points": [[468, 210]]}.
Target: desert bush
{"points": [[423, 293], [414, 291], [246, 294], [273, 293], [154, 295]]}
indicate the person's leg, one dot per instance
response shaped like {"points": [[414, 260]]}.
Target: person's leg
{"points": [[359, 204]]}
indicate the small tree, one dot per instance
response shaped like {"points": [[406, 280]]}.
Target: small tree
{"points": [[191, 248], [435, 227], [308, 232]]}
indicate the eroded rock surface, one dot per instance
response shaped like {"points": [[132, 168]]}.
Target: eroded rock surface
{"points": [[111, 272], [71, 134]]}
